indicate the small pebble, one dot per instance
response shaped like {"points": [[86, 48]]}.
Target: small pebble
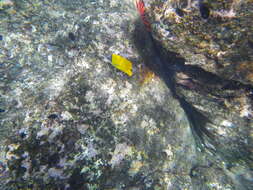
{"points": [[179, 12], [250, 42], [22, 135], [52, 116]]}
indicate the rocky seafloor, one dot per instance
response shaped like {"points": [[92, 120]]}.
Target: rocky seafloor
{"points": [[70, 120]]}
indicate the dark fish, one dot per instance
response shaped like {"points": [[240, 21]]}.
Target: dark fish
{"points": [[204, 10], [166, 70], [159, 62]]}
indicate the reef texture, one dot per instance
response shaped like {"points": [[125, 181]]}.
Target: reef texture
{"points": [[70, 120], [213, 35]]}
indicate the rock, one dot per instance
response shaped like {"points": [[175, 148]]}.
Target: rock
{"points": [[210, 77], [72, 121], [220, 43]]}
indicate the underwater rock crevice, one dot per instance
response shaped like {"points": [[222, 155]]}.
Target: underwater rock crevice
{"points": [[212, 128]]}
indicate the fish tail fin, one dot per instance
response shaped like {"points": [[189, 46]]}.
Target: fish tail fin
{"points": [[141, 9]]}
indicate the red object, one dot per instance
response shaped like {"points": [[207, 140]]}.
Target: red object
{"points": [[141, 9]]}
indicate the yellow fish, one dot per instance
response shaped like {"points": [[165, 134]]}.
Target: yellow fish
{"points": [[122, 64]]}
